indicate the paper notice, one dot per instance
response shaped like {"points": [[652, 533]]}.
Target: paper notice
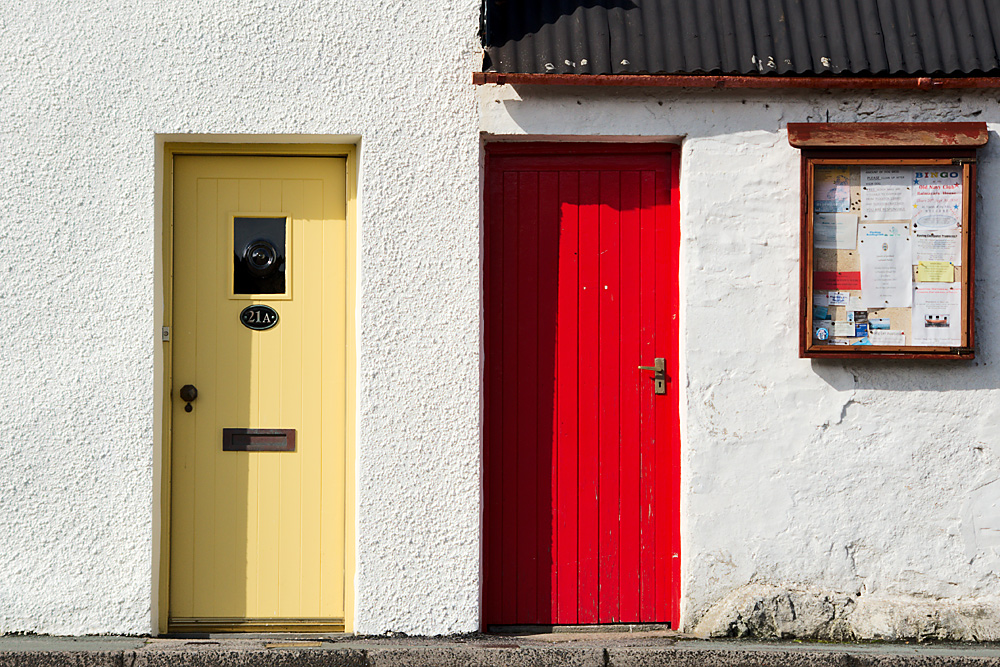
{"points": [[839, 298], [821, 299], [886, 273], [935, 272], [885, 193], [937, 198], [937, 315], [827, 280], [843, 328], [837, 231], [878, 322], [887, 337], [832, 190], [939, 247]]}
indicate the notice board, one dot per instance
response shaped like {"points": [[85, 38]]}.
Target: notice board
{"points": [[887, 240]]}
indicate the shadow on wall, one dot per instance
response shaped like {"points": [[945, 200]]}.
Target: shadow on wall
{"points": [[612, 112], [615, 111], [932, 375]]}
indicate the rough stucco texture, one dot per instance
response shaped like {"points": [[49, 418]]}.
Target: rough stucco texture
{"points": [[820, 498], [87, 87]]}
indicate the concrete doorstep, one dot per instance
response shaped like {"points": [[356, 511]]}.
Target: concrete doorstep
{"points": [[583, 649]]}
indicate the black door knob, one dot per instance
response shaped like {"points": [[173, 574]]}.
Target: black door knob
{"points": [[188, 393]]}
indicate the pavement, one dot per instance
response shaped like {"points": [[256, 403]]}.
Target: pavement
{"points": [[571, 648]]}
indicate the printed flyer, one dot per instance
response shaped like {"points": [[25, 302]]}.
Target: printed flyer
{"points": [[937, 198], [937, 314], [832, 190], [885, 193], [886, 265]]}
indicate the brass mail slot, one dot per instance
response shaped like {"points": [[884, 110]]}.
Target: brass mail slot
{"points": [[258, 439]]}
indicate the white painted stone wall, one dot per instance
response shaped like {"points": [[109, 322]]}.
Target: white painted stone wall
{"points": [[88, 91], [825, 498], [822, 498]]}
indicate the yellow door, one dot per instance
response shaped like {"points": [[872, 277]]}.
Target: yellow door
{"points": [[257, 503]]}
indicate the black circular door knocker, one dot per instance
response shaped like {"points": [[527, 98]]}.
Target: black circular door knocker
{"points": [[259, 317], [261, 258]]}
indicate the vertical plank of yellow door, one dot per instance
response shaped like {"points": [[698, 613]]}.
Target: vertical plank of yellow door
{"points": [[285, 394], [182, 457], [308, 287], [263, 364], [328, 195], [203, 416], [230, 467], [241, 353]]}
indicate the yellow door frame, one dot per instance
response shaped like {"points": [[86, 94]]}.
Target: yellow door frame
{"points": [[170, 150]]}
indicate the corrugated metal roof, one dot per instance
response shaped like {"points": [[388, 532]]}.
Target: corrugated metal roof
{"points": [[783, 37]]}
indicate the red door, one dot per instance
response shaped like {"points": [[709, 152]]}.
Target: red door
{"points": [[581, 456]]}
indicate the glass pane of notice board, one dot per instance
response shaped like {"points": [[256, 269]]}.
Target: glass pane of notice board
{"points": [[887, 245]]}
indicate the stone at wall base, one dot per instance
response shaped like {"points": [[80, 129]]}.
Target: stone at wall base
{"points": [[773, 612]]}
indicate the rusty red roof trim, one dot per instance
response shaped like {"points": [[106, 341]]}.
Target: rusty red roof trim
{"points": [[878, 135], [727, 81]]}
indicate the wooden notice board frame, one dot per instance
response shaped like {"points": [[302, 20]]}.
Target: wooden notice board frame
{"points": [[845, 149]]}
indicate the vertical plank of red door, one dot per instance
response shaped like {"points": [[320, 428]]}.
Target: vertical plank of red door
{"points": [[673, 403], [567, 408], [663, 507], [609, 384], [589, 532], [507, 446], [527, 400], [632, 378], [488, 584], [493, 385], [548, 476], [647, 448]]}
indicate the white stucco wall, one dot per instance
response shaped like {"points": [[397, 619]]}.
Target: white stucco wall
{"points": [[823, 498], [88, 89], [830, 498]]}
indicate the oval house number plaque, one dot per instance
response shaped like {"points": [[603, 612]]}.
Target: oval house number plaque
{"points": [[259, 317]]}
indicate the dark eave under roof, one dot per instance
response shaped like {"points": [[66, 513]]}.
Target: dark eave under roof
{"points": [[780, 38]]}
